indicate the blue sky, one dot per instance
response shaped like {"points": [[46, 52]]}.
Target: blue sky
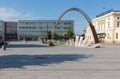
{"points": [[13, 10]]}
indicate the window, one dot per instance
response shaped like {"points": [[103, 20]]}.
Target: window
{"points": [[108, 36], [108, 24], [69, 23], [65, 23], [68, 27], [33, 27], [26, 27], [118, 24], [23, 27], [90, 37], [54, 23], [65, 27], [27, 23], [40, 27], [29, 27], [58, 27], [118, 17], [59, 23], [116, 35], [40, 23], [104, 26]]}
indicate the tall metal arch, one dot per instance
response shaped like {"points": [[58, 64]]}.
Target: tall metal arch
{"points": [[86, 17]]}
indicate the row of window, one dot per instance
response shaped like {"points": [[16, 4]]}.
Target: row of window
{"points": [[108, 36], [42, 28], [102, 26], [117, 36], [27, 27], [41, 23], [116, 18]]}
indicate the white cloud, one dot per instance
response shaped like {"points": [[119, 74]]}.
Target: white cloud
{"points": [[7, 14], [10, 14]]}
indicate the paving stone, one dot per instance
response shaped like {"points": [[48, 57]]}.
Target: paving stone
{"points": [[35, 60]]}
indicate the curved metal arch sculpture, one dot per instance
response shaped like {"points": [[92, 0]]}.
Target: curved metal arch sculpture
{"points": [[86, 17]]}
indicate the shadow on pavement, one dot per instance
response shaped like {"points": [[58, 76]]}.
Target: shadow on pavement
{"points": [[25, 45], [19, 61]]}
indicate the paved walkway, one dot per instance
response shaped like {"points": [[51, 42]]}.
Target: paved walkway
{"points": [[34, 60]]}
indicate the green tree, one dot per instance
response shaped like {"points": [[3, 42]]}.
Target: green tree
{"points": [[69, 34], [55, 36]]}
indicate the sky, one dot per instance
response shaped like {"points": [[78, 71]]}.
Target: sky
{"points": [[13, 10]]}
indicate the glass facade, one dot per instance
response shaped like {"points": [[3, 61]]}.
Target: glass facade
{"points": [[1, 27], [11, 33], [35, 29]]}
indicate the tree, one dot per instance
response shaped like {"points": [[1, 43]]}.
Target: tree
{"points": [[69, 34], [55, 36]]}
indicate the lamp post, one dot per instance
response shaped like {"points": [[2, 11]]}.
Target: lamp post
{"points": [[4, 36]]}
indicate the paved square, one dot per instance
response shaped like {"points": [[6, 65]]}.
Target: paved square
{"points": [[34, 60]]}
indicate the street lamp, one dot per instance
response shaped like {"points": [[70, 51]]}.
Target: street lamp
{"points": [[4, 35]]}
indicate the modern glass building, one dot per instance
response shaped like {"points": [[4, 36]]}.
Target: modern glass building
{"points": [[1, 28], [36, 29], [11, 31]]}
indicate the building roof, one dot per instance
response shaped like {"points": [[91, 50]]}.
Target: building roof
{"points": [[116, 11], [106, 12]]}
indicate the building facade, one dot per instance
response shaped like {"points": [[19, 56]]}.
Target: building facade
{"points": [[36, 29], [1, 28], [107, 26], [11, 31]]}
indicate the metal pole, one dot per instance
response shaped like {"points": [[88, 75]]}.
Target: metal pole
{"points": [[47, 30], [47, 27], [4, 36]]}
